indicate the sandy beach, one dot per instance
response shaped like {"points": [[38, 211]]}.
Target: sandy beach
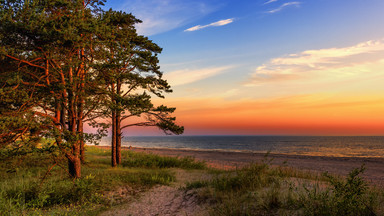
{"points": [[374, 172]]}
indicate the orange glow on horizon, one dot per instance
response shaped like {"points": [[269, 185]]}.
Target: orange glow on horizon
{"points": [[302, 115], [297, 115]]}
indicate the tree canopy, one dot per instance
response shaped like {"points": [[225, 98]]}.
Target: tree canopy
{"points": [[66, 62]]}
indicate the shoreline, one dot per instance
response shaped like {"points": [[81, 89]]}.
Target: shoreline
{"points": [[374, 172], [243, 151]]}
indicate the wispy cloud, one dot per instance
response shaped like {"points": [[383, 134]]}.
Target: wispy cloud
{"points": [[182, 77], [270, 1], [218, 23], [162, 16], [297, 4], [323, 64]]}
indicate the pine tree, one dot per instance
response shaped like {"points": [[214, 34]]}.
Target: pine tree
{"points": [[131, 75], [47, 51], [66, 62]]}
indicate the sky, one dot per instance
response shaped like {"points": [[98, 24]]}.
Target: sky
{"points": [[268, 67]]}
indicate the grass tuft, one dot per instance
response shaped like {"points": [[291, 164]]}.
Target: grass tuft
{"points": [[259, 189]]}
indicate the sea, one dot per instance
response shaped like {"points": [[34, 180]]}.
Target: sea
{"points": [[332, 146]]}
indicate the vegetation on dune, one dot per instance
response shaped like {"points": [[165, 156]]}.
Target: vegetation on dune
{"points": [[26, 188], [259, 189], [30, 185]]}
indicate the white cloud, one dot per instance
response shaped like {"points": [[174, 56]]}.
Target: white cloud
{"points": [[283, 6], [323, 64], [218, 23], [270, 1], [162, 16], [182, 77]]}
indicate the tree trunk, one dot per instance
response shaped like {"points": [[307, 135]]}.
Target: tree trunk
{"points": [[80, 108], [74, 166], [118, 138], [62, 116], [118, 126], [114, 162], [82, 148], [80, 127], [74, 162]]}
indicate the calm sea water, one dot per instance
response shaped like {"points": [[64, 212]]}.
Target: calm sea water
{"points": [[335, 146]]}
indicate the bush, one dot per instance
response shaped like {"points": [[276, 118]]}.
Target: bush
{"points": [[344, 197]]}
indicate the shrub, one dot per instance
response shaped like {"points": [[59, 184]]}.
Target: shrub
{"points": [[344, 197]]}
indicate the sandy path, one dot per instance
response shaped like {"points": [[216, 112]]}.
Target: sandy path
{"points": [[165, 200], [161, 200]]}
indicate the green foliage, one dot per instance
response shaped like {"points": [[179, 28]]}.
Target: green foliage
{"points": [[349, 194], [45, 80], [129, 72], [155, 161], [196, 185], [23, 192], [345, 197], [237, 192], [250, 177], [258, 189], [64, 62], [143, 160]]}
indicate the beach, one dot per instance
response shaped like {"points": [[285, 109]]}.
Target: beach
{"points": [[374, 172]]}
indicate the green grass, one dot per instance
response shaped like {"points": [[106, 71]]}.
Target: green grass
{"points": [[23, 192], [148, 160], [350, 196], [259, 189]]}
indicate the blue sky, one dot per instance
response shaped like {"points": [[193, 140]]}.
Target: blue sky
{"points": [[220, 54]]}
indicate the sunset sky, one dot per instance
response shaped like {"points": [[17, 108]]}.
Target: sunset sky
{"points": [[268, 67]]}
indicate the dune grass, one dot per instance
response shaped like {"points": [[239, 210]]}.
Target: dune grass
{"points": [[145, 160], [259, 189], [27, 188]]}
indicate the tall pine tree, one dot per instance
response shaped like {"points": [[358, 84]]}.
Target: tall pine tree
{"points": [[64, 62], [131, 73], [47, 49]]}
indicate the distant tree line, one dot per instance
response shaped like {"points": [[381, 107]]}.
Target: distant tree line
{"points": [[64, 63]]}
